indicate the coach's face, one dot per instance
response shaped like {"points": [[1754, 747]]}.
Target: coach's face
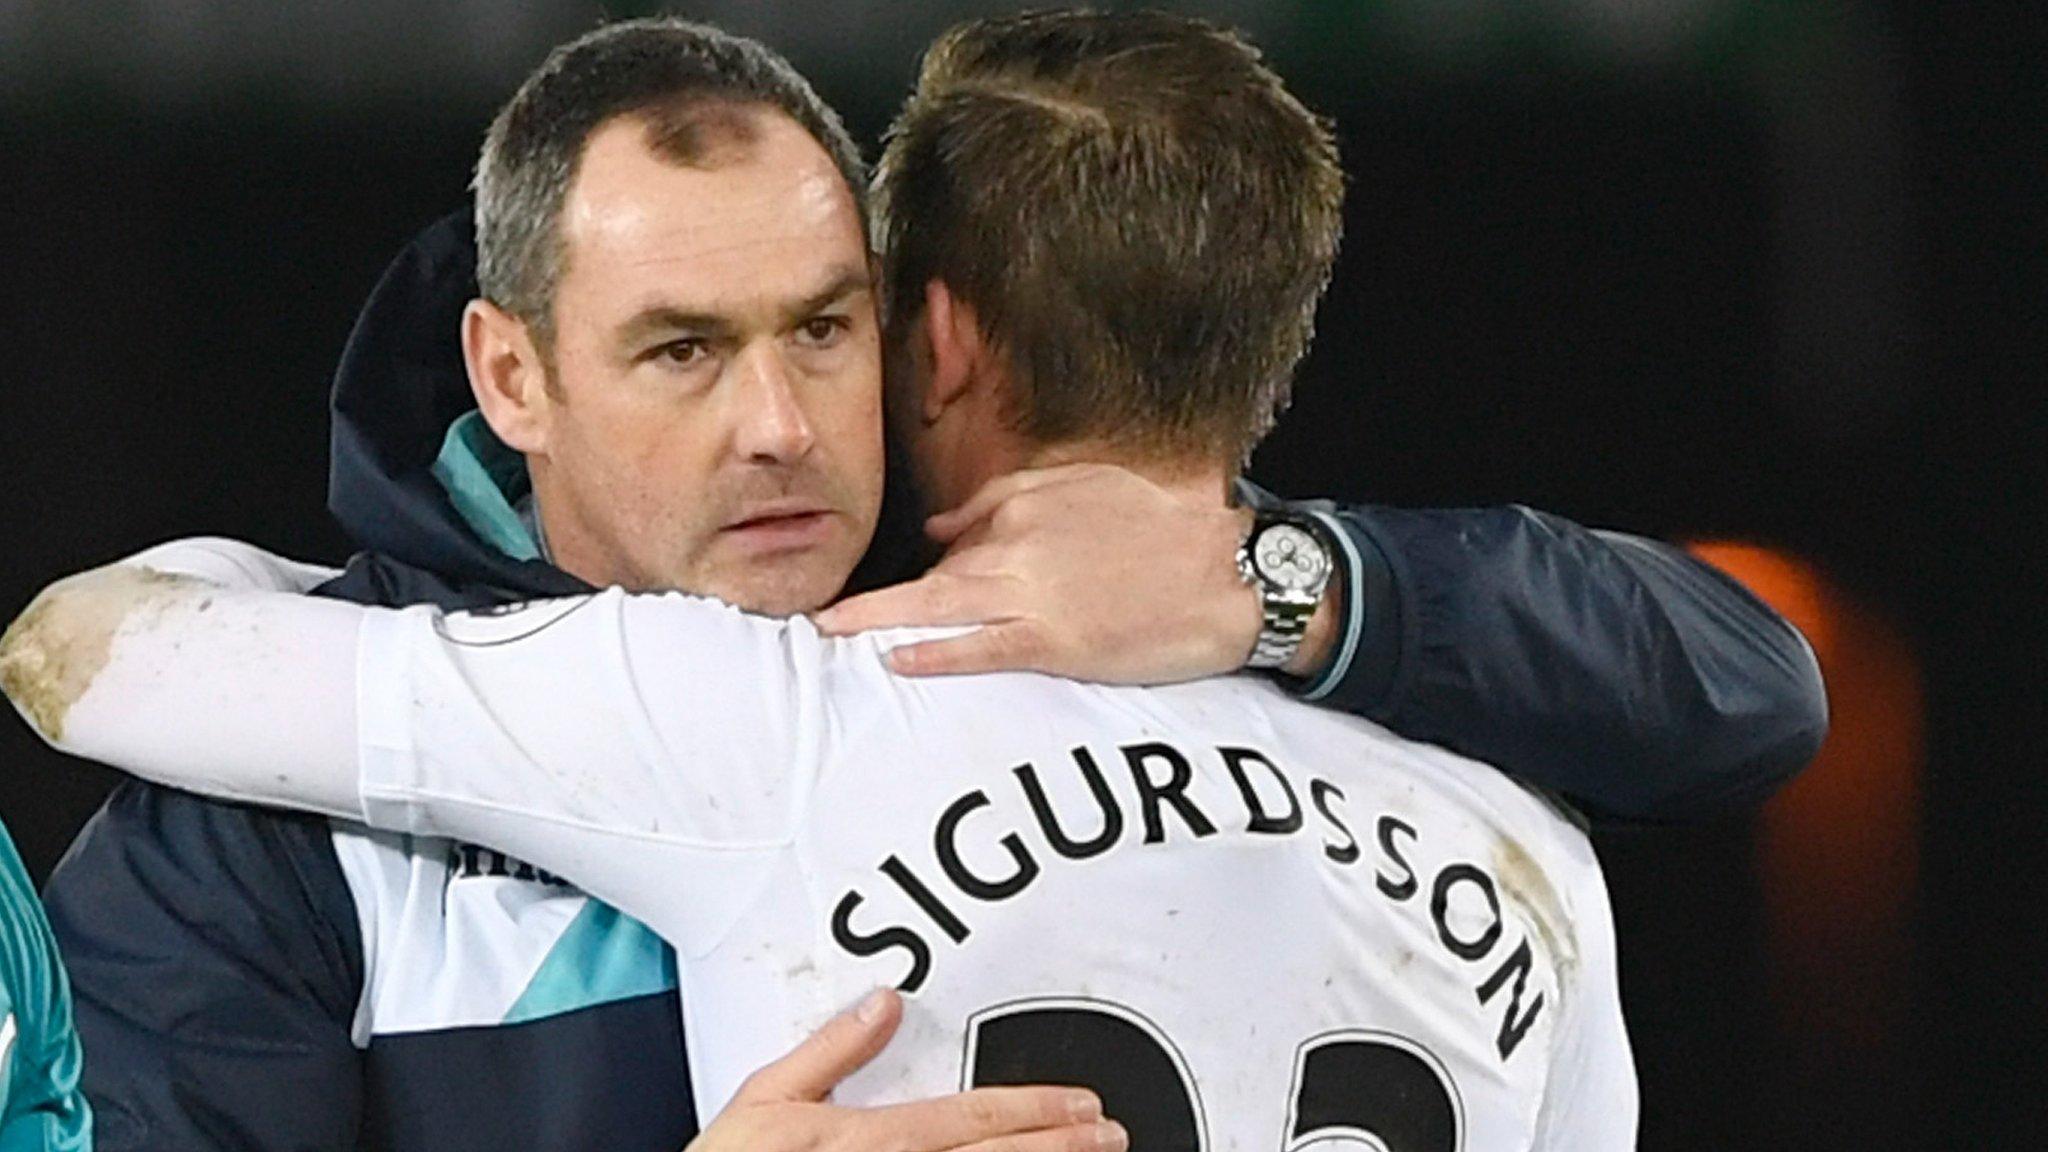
{"points": [[712, 417]]}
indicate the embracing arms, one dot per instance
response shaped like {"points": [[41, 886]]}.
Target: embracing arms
{"points": [[1586, 657], [1630, 678], [1623, 674]]}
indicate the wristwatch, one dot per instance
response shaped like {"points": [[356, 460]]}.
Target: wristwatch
{"points": [[1288, 560]]}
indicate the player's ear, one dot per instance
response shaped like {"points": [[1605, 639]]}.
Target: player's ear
{"points": [[507, 375], [953, 334]]}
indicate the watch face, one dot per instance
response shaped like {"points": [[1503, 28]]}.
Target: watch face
{"points": [[1290, 558]]}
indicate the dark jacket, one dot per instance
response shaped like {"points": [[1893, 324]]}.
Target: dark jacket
{"points": [[253, 980]]}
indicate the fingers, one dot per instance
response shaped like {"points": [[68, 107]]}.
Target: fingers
{"points": [[1102, 1136], [831, 1054], [949, 525], [970, 1119], [937, 599], [1005, 642], [1016, 646]]}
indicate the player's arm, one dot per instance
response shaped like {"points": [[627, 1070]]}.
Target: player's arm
{"points": [[213, 950], [619, 741], [1627, 676]]}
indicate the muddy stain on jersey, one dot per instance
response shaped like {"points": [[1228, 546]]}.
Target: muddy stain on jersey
{"points": [[1526, 883], [53, 651]]}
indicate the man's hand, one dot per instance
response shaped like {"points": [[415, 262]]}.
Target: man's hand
{"points": [[1086, 571], [782, 1107]]}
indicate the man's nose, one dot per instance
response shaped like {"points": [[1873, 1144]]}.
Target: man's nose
{"points": [[772, 426]]}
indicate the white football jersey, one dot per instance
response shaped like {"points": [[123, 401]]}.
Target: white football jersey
{"points": [[1247, 923]]}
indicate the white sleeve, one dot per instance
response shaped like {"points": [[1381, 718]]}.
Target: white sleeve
{"points": [[1592, 1101], [231, 564], [236, 694], [658, 751], [96, 664]]}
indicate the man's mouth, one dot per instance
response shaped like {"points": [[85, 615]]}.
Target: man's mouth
{"points": [[784, 525]]}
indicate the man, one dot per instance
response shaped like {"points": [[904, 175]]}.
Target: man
{"points": [[254, 981], [1158, 894]]}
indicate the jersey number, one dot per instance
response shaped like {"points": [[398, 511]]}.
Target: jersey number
{"points": [[1353, 1088]]}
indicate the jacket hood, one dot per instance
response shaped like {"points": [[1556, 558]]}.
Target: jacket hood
{"points": [[398, 396]]}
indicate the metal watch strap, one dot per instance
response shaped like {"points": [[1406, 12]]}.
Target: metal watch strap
{"points": [[1285, 623]]}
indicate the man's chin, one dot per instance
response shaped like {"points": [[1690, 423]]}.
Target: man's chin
{"points": [[790, 587]]}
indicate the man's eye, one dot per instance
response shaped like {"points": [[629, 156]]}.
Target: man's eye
{"points": [[822, 330], [682, 352]]}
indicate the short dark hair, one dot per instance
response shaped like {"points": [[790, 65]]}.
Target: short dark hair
{"points": [[690, 81], [1140, 213]]}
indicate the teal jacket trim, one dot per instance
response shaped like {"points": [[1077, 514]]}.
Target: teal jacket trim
{"points": [[603, 956], [485, 480]]}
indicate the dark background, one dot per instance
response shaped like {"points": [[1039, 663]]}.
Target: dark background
{"points": [[1768, 272]]}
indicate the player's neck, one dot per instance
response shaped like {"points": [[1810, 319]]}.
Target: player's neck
{"points": [[1197, 482]]}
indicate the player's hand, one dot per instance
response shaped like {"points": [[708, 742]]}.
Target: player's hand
{"points": [[1087, 571], [782, 1107]]}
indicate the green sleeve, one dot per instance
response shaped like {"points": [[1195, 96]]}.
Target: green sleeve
{"points": [[41, 1107]]}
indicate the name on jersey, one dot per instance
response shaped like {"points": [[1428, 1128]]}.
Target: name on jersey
{"points": [[1159, 807]]}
